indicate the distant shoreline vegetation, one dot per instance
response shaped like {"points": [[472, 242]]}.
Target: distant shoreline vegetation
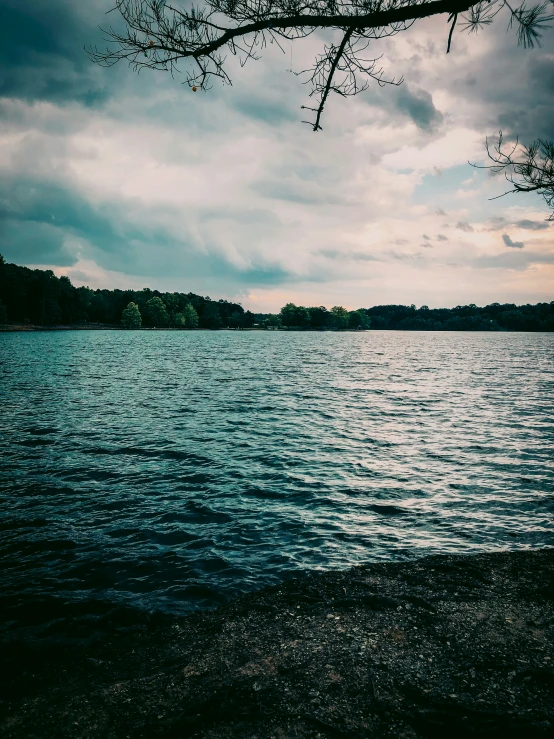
{"points": [[35, 297]]}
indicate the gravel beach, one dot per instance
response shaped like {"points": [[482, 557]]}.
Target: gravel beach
{"points": [[459, 645]]}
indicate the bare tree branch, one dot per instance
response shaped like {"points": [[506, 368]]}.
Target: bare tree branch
{"points": [[526, 168], [327, 88], [453, 18], [158, 34]]}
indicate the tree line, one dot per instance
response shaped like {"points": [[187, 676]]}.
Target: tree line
{"points": [[38, 297], [494, 317]]}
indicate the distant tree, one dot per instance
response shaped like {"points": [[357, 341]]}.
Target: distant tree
{"points": [[179, 320], [302, 317], [518, 320], [158, 34], [320, 317], [130, 316], [236, 319], [287, 315], [340, 317], [272, 321], [249, 319], [3, 313], [171, 302], [190, 316], [210, 316], [295, 316], [359, 319], [155, 313]]}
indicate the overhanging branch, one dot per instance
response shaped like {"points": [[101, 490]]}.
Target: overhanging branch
{"points": [[158, 34]]}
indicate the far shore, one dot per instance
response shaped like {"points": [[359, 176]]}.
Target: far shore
{"points": [[7, 328]]}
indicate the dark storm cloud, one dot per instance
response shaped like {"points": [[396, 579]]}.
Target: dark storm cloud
{"points": [[48, 207], [514, 87], [418, 105], [530, 114], [464, 226], [499, 223], [28, 242], [46, 223], [512, 244], [532, 225], [517, 260], [41, 51]]}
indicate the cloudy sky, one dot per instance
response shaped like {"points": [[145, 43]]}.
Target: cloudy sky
{"points": [[125, 180]]}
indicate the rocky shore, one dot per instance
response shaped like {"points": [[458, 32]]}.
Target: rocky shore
{"points": [[447, 645]]}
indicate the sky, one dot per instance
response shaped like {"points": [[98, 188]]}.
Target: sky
{"points": [[124, 180]]}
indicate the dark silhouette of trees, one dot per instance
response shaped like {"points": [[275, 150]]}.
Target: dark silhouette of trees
{"points": [[271, 321], [494, 317], [210, 316], [38, 297], [158, 34], [359, 319], [319, 317], [294, 316]]}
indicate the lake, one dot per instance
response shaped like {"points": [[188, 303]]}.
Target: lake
{"points": [[165, 470]]}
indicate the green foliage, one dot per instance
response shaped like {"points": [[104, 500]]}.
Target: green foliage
{"points": [[179, 320], [358, 319], [39, 297], [155, 313], [190, 316], [295, 316], [249, 319], [319, 317], [494, 317], [171, 301], [340, 317], [236, 320], [130, 316], [272, 321], [210, 316]]}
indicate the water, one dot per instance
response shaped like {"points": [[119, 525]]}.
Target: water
{"points": [[172, 470]]}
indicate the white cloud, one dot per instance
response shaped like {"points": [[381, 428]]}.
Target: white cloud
{"points": [[228, 192]]}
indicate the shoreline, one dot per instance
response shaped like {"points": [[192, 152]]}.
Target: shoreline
{"points": [[449, 643], [7, 328]]}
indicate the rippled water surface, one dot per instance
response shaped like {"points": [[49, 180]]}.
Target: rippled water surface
{"points": [[173, 469]]}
